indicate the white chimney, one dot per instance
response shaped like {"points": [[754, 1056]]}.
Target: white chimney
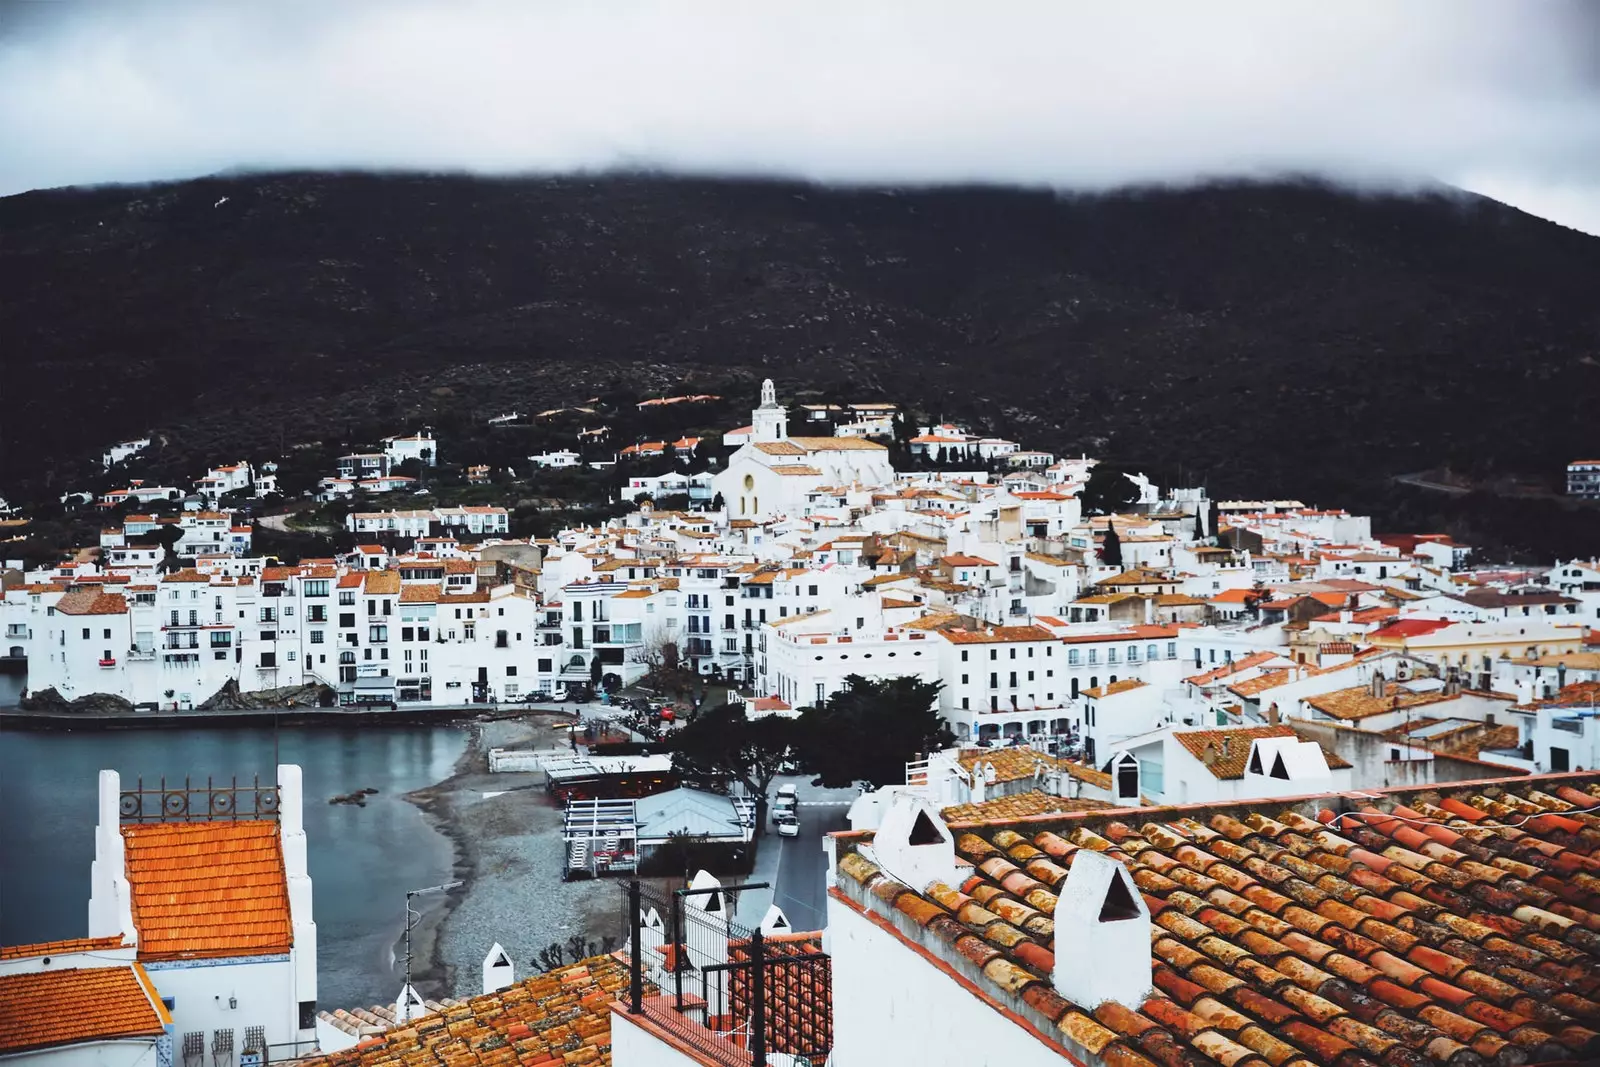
{"points": [[914, 845], [498, 972], [1102, 935], [775, 922], [409, 1005]]}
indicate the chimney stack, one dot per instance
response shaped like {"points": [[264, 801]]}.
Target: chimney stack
{"points": [[1102, 935], [1272, 713], [1209, 754]]}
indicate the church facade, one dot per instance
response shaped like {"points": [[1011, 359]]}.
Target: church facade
{"points": [[773, 473]]}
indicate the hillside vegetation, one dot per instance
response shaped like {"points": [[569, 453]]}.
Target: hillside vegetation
{"points": [[1286, 339]]}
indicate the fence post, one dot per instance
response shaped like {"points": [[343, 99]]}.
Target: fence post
{"points": [[636, 970], [758, 999], [680, 943]]}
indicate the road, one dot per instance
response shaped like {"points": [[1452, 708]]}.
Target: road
{"points": [[797, 866]]}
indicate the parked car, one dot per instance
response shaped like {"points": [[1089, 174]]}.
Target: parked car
{"points": [[788, 823]]}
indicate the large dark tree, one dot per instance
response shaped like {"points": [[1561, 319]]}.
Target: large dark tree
{"points": [[868, 731], [1108, 490], [718, 745], [1111, 547]]}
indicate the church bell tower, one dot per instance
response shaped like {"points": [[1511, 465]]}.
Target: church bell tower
{"points": [[770, 421]]}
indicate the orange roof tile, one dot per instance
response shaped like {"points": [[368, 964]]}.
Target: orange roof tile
{"points": [[1449, 924], [1231, 765], [44, 1009], [994, 634], [208, 888], [562, 1017], [381, 583]]}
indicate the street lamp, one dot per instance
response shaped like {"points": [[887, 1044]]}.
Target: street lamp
{"points": [[413, 917]]}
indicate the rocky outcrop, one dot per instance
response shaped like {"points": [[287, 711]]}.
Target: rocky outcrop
{"points": [[89, 704], [230, 698]]}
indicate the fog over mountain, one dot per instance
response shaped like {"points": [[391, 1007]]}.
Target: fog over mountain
{"points": [[1499, 98]]}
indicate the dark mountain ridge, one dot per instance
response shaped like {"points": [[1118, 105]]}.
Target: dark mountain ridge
{"points": [[1270, 338]]}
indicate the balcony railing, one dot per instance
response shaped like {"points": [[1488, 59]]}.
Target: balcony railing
{"points": [[136, 654], [112, 662]]}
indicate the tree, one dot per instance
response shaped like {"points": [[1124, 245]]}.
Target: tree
{"points": [[1108, 490], [719, 744], [869, 731], [1111, 547]]}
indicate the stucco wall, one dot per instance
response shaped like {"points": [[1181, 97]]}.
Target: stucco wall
{"points": [[263, 990], [132, 1053], [632, 1046], [892, 1006]]}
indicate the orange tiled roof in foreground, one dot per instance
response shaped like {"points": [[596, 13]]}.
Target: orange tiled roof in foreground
{"points": [[1284, 933], [560, 1017], [60, 1007], [208, 888]]}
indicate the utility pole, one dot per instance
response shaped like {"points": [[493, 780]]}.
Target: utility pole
{"points": [[413, 917]]}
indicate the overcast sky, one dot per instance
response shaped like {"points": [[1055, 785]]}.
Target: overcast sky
{"points": [[1501, 97]]}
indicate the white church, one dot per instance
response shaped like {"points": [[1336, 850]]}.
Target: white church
{"points": [[772, 474]]}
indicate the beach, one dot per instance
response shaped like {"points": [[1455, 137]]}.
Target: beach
{"points": [[505, 831]]}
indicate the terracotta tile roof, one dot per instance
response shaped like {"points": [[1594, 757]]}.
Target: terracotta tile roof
{"points": [[797, 470], [61, 1007], [419, 594], [187, 576], [1010, 764], [796, 1022], [92, 602], [1404, 628], [1577, 695], [61, 948], [1018, 806], [837, 444], [1423, 927], [1358, 701], [560, 1017], [996, 634], [1236, 744], [1113, 688], [779, 448], [208, 888], [381, 583], [1254, 659]]}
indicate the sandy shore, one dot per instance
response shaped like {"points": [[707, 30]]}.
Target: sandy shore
{"points": [[506, 833]]}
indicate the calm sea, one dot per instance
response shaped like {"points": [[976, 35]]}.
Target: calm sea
{"points": [[362, 859]]}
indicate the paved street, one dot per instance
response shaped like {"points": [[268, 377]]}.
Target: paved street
{"points": [[796, 865]]}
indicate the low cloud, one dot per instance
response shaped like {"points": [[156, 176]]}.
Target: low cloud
{"points": [[1488, 94]]}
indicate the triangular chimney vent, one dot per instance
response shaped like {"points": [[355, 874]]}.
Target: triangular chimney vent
{"points": [[1118, 904]]}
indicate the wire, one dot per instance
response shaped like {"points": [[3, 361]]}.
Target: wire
{"points": [[1370, 815]]}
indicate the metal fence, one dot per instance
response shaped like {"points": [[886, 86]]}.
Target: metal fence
{"points": [[733, 993]]}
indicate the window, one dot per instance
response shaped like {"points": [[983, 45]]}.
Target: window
{"points": [[86, 633], [963, 655], [1094, 656], [291, 655], [1133, 653], [1111, 655], [269, 659], [347, 598], [347, 619], [1072, 657], [511, 671], [1172, 650], [377, 633], [316, 637], [963, 679]]}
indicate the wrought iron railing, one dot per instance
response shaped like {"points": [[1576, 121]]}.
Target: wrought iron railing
{"points": [[733, 993], [192, 802]]}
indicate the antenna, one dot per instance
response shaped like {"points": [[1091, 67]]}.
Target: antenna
{"points": [[413, 917]]}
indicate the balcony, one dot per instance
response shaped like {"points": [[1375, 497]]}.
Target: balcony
{"points": [[136, 655], [108, 662]]}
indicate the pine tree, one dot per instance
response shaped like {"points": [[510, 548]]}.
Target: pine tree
{"points": [[1111, 547]]}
